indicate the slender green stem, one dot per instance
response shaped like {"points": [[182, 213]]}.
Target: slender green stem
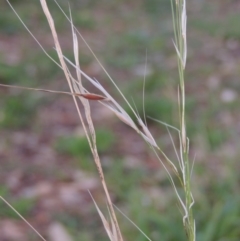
{"points": [[179, 26]]}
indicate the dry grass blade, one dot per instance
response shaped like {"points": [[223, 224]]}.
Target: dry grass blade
{"points": [[134, 224], [172, 181], [39, 44], [92, 142], [118, 110], [93, 135], [148, 136], [99, 62], [89, 96], [114, 230], [122, 115], [165, 124], [174, 128], [105, 222], [178, 53], [14, 210], [55, 38], [77, 86], [174, 147]]}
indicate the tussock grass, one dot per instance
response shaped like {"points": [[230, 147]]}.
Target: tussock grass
{"points": [[183, 169]]}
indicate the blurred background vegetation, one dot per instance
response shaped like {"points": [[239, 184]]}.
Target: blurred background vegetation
{"points": [[46, 165]]}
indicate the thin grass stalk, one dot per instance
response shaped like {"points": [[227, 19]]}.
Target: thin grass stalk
{"points": [[92, 143], [21, 217], [179, 25]]}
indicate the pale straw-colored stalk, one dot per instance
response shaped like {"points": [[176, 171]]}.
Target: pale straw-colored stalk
{"points": [[76, 86]]}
